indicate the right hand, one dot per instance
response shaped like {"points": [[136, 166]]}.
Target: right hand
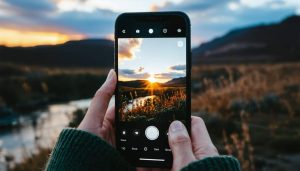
{"points": [[185, 149]]}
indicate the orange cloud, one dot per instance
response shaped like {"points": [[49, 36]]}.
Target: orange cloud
{"points": [[110, 36], [128, 47], [156, 7], [11, 37]]}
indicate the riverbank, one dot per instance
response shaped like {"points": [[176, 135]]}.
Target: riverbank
{"points": [[24, 89], [37, 130]]}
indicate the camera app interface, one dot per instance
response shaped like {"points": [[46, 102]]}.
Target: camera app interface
{"points": [[151, 94]]}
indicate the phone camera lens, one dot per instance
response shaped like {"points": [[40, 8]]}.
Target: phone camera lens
{"points": [[137, 31], [165, 30], [179, 30], [151, 31]]}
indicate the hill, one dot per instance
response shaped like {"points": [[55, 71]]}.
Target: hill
{"points": [[135, 83], [176, 82], [81, 53], [278, 42], [263, 43]]}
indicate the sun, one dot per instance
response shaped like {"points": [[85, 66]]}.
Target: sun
{"points": [[152, 79]]}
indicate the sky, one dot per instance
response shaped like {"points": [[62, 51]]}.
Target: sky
{"points": [[36, 22], [157, 59]]}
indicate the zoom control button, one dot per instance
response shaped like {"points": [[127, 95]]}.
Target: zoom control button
{"points": [[136, 132], [168, 149], [151, 132], [123, 132], [134, 149], [156, 149]]}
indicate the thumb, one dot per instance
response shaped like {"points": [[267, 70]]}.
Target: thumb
{"points": [[181, 146]]}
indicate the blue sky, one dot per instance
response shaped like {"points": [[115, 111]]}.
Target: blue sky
{"points": [[95, 18], [160, 58]]}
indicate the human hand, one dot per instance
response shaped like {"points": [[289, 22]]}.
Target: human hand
{"points": [[100, 120], [185, 149]]}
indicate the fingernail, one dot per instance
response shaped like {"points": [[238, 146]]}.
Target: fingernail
{"points": [[110, 74], [176, 126]]}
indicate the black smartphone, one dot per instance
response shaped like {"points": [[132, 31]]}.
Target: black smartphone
{"points": [[153, 66]]}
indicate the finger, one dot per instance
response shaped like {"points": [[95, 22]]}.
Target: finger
{"points": [[109, 124], [180, 144], [101, 99], [110, 115], [201, 142]]}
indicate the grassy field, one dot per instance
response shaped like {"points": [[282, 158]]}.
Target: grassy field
{"points": [[156, 104], [252, 111], [25, 89]]}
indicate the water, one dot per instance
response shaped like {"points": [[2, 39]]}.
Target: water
{"points": [[40, 129], [137, 101]]}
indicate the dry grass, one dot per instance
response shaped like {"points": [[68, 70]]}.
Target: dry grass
{"points": [[253, 83], [163, 100], [259, 102]]}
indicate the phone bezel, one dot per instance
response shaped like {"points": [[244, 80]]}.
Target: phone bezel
{"points": [[154, 17]]}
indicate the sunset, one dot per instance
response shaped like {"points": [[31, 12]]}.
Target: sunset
{"points": [[56, 21], [13, 38], [144, 59], [149, 75], [151, 79], [244, 78]]}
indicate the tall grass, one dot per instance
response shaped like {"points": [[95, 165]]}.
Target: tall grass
{"points": [[168, 101], [258, 106]]}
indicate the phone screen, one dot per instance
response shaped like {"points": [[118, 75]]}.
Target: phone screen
{"points": [[152, 91]]}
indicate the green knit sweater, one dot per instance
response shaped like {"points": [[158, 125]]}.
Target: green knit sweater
{"points": [[82, 151]]}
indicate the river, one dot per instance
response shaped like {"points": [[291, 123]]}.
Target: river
{"points": [[140, 101], [39, 129]]}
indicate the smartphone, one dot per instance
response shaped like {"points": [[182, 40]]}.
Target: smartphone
{"points": [[153, 66]]}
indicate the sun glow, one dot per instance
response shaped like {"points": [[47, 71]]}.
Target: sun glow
{"points": [[152, 79], [10, 37]]}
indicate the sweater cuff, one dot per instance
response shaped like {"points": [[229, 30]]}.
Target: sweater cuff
{"points": [[217, 163], [80, 150]]}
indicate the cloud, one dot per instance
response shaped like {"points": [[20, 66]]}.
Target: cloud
{"points": [[128, 47], [178, 67], [98, 23], [93, 18], [193, 5], [169, 75], [32, 5], [126, 71], [210, 19], [133, 74]]}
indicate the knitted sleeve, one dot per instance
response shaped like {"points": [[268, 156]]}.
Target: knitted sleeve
{"points": [[80, 150]]}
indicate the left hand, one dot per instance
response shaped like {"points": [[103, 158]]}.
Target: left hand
{"points": [[100, 120]]}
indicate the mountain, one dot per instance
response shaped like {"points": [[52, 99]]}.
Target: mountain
{"points": [[176, 82], [81, 53], [135, 83], [277, 42]]}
